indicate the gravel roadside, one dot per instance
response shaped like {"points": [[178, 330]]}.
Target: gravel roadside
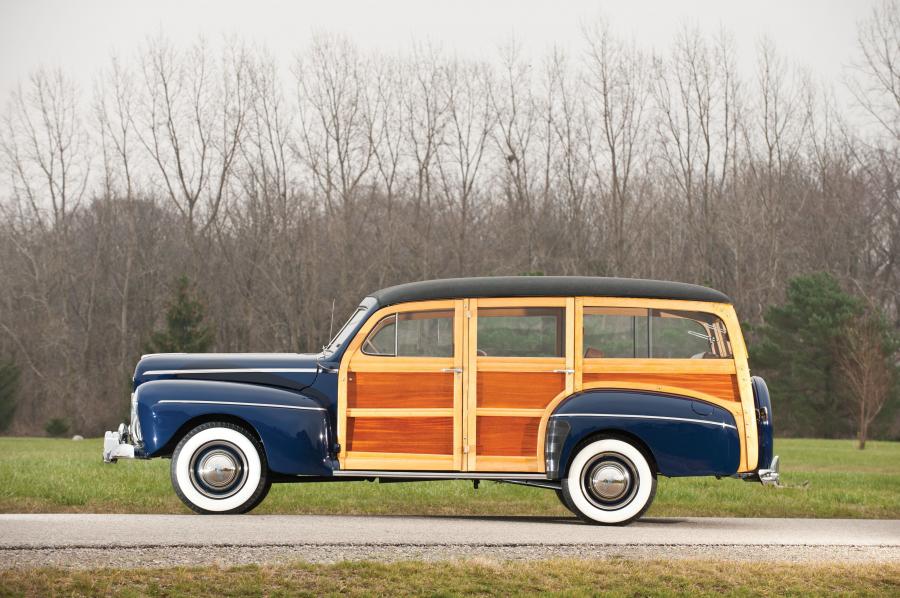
{"points": [[226, 556]]}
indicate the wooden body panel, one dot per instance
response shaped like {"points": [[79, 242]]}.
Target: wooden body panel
{"points": [[507, 436], [518, 390], [412, 390], [418, 435], [722, 386]]}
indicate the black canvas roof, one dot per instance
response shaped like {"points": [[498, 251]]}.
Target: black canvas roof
{"points": [[545, 286]]}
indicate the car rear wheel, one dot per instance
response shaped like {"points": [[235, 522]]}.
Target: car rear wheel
{"points": [[610, 482], [219, 467], [562, 498]]}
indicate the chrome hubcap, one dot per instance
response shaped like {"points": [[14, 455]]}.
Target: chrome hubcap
{"points": [[610, 481], [218, 469]]}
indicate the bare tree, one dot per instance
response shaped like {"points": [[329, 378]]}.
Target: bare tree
{"points": [[869, 373], [616, 75], [190, 122]]}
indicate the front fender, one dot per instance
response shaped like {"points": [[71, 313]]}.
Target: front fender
{"points": [[685, 436], [293, 428]]}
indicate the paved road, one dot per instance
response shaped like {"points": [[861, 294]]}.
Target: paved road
{"points": [[88, 540], [57, 531]]}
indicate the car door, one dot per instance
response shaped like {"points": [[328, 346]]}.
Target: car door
{"points": [[519, 361], [400, 397]]}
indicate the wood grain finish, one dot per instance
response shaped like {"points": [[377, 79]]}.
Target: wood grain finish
{"points": [[421, 435], [419, 390], [507, 436], [722, 386], [518, 390]]}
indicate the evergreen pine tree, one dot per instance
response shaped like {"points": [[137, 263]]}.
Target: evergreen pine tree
{"points": [[9, 384], [185, 330], [797, 349]]}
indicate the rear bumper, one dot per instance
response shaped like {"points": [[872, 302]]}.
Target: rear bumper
{"points": [[771, 476], [117, 445]]}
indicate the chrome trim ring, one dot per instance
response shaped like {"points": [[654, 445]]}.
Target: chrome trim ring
{"points": [[218, 469], [609, 481]]}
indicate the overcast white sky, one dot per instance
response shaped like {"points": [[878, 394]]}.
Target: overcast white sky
{"points": [[80, 35]]}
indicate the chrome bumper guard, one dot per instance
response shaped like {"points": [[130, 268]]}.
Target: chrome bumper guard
{"points": [[116, 445], [771, 476]]}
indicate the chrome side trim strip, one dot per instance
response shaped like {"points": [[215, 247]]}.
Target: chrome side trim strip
{"points": [[662, 417], [232, 371], [189, 402], [442, 475]]}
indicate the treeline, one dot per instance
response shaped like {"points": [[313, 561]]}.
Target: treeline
{"points": [[281, 190]]}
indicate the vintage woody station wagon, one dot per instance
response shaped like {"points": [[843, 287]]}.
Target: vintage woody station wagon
{"points": [[588, 386]]}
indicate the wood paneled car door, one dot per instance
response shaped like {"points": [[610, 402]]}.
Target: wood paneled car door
{"points": [[519, 359], [400, 397]]}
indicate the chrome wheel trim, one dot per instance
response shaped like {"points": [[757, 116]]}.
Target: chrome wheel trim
{"points": [[218, 469], [609, 481]]}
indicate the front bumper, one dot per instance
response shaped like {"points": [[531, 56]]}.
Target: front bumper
{"points": [[117, 445]]}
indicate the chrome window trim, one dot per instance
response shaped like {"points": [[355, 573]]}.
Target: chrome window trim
{"points": [[231, 371], [658, 417], [239, 404]]}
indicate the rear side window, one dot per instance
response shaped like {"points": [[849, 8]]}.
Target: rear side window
{"points": [[521, 332], [653, 333], [413, 334]]}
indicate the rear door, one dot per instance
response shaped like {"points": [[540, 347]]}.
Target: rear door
{"points": [[519, 360]]}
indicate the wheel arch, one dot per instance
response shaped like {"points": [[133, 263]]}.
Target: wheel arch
{"points": [[169, 447], [610, 432]]}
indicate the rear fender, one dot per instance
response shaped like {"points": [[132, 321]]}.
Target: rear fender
{"points": [[294, 429], [685, 436], [764, 430]]}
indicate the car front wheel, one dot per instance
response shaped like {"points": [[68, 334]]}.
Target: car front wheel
{"points": [[219, 467], [610, 482]]}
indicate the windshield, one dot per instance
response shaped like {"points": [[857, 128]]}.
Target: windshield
{"points": [[347, 329]]}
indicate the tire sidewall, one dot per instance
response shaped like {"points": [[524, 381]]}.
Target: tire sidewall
{"points": [[635, 508], [253, 462]]}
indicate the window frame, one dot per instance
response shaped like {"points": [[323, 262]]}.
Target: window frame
{"points": [[719, 342], [396, 316]]}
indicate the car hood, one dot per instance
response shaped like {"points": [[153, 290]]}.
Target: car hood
{"points": [[295, 371]]}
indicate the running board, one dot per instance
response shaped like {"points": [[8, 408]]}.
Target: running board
{"points": [[438, 475]]}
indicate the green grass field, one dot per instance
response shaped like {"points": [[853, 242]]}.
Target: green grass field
{"points": [[823, 478], [466, 578]]}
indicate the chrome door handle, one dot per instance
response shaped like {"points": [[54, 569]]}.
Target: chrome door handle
{"points": [[563, 371], [452, 370]]}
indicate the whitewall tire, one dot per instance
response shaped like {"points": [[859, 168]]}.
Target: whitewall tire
{"points": [[609, 482], [219, 467]]}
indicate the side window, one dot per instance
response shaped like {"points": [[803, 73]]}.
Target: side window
{"points": [[611, 332], [413, 334], [688, 335], [615, 332], [521, 332]]}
